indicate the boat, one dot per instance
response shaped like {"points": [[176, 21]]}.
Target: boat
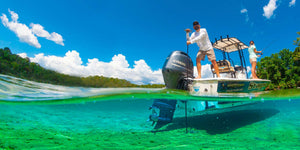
{"points": [[178, 74]]}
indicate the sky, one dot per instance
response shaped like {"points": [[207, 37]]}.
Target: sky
{"points": [[130, 39]]}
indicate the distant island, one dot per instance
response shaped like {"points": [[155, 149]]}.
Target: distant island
{"points": [[14, 65]]}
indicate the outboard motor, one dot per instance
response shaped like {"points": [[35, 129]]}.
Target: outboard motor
{"points": [[177, 68]]}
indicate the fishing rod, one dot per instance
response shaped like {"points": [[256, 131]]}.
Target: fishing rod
{"points": [[267, 46]]}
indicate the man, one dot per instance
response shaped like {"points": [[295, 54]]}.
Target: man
{"points": [[200, 37]]}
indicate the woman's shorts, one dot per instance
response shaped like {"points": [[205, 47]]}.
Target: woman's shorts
{"points": [[252, 60]]}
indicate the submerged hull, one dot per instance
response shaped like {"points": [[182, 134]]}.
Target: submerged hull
{"points": [[178, 74], [221, 86]]}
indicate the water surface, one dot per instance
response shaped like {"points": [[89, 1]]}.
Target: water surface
{"points": [[42, 116]]}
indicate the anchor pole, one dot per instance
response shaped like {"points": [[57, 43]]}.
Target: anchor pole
{"points": [[186, 121]]}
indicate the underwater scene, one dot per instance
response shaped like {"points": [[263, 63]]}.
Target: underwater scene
{"points": [[43, 116]]}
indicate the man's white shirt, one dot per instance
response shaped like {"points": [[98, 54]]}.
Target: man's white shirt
{"points": [[201, 38]]}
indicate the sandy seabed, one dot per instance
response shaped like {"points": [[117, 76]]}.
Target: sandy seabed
{"points": [[123, 125]]}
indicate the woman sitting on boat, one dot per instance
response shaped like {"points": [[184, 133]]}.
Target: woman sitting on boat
{"points": [[252, 56]]}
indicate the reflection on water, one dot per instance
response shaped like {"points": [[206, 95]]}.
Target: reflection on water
{"points": [[125, 115], [270, 122]]}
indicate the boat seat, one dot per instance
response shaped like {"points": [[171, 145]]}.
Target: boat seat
{"points": [[224, 67]]}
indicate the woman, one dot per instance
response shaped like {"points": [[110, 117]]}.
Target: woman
{"points": [[252, 56]]}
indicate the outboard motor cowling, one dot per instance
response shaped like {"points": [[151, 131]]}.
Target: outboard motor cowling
{"points": [[177, 67]]}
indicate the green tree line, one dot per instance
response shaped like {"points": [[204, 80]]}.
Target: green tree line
{"points": [[14, 65], [283, 68]]}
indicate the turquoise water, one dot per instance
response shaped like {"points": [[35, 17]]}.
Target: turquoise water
{"points": [[42, 116]]}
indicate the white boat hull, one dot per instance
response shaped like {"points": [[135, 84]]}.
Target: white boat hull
{"points": [[219, 86]]}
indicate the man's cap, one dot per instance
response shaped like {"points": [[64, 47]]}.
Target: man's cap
{"points": [[195, 23]]}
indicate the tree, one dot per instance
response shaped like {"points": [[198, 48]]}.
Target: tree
{"points": [[296, 58], [281, 68], [297, 41]]}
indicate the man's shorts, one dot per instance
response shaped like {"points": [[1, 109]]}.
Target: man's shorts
{"points": [[252, 60], [210, 55]]}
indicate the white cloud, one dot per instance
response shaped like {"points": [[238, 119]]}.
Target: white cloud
{"points": [[292, 3], [269, 9], [205, 71], [118, 67], [39, 31], [21, 30], [244, 10], [23, 55], [29, 35]]}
